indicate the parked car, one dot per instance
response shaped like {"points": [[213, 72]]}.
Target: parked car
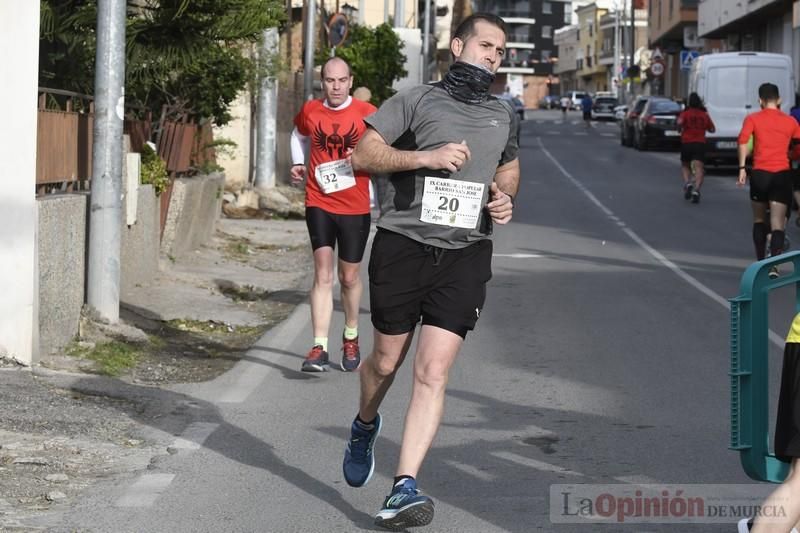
{"points": [[551, 101], [603, 107], [619, 112], [626, 125], [657, 124], [575, 98]]}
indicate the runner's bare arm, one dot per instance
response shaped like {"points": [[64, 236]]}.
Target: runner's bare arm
{"points": [[504, 188], [374, 155]]}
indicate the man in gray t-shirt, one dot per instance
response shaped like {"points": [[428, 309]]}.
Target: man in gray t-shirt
{"points": [[450, 153]]}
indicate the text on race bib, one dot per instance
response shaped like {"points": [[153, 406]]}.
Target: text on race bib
{"points": [[454, 203], [335, 176]]}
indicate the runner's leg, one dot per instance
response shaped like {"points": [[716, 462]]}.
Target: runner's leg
{"points": [[321, 295], [378, 370], [352, 288], [436, 351], [699, 174], [760, 228], [785, 498]]}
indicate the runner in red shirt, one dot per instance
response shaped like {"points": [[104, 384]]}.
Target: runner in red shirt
{"points": [[771, 177], [693, 123], [337, 207]]}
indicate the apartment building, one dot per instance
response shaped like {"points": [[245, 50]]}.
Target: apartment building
{"points": [[592, 75], [566, 68], [752, 25], [527, 69], [673, 30]]}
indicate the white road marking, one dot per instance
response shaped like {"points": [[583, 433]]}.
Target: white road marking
{"points": [[534, 463], [194, 436], [249, 373], [637, 479], [472, 471], [518, 256], [554, 132], [145, 491], [580, 133], [774, 337], [608, 134]]}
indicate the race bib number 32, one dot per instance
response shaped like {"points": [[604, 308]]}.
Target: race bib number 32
{"points": [[335, 176], [454, 203]]}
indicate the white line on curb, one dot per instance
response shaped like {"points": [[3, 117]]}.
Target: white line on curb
{"points": [[194, 436], [145, 491]]}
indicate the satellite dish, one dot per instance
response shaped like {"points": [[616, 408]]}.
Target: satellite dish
{"points": [[337, 29]]}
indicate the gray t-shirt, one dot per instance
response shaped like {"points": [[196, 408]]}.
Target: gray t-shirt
{"points": [[425, 118]]}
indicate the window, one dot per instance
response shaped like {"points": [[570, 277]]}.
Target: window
{"points": [[547, 32], [547, 8], [545, 56], [567, 13], [591, 29]]}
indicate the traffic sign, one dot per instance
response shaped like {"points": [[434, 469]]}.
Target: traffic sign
{"points": [[657, 68], [687, 58]]}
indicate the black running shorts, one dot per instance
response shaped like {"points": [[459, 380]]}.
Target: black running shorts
{"points": [[771, 186], [350, 231], [693, 152], [409, 280], [787, 424]]}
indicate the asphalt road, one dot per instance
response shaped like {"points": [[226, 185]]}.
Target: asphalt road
{"points": [[600, 360]]}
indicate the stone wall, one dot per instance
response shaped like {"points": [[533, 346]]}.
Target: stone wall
{"points": [[194, 209], [62, 268]]}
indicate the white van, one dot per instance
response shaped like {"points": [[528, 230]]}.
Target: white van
{"points": [[728, 85]]}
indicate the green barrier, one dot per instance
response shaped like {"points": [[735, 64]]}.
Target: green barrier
{"points": [[749, 366]]}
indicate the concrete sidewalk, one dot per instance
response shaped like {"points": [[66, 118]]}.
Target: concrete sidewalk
{"points": [[63, 430]]}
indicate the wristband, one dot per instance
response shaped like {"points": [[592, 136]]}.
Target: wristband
{"points": [[742, 168], [299, 165]]}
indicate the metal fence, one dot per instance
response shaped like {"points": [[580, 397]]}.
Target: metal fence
{"points": [[64, 141]]}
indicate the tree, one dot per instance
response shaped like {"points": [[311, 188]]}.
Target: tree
{"points": [[375, 57], [191, 56]]}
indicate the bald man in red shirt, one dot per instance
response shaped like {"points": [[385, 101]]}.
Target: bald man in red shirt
{"points": [[773, 132]]}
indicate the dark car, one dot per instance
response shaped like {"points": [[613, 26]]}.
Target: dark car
{"points": [[550, 101], [657, 125], [626, 125], [603, 107]]}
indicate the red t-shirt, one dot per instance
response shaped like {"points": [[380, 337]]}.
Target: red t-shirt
{"points": [[694, 124], [333, 132], [773, 130]]}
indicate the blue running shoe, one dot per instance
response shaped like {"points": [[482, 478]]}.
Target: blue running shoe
{"points": [[405, 507], [359, 456]]}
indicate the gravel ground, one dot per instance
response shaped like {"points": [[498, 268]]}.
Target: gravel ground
{"points": [[63, 426]]}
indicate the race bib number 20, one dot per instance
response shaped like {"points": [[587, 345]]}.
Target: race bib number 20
{"points": [[454, 203]]}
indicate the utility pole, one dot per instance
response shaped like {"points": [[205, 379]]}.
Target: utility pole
{"points": [[385, 11], [399, 14], [633, 29], [426, 43], [267, 112], [615, 78], [105, 219], [308, 58]]}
